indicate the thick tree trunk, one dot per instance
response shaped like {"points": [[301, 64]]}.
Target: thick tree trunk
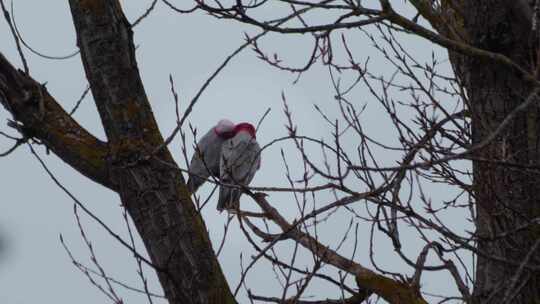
{"points": [[149, 184], [154, 194], [506, 196]]}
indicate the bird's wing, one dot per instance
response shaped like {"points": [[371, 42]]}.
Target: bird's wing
{"points": [[240, 157], [200, 164]]}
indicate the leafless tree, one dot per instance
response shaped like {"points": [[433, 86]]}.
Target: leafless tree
{"points": [[472, 129]]}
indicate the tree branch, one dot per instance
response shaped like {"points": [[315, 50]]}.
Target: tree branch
{"points": [[356, 299], [389, 289], [105, 39], [41, 117], [154, 195]]}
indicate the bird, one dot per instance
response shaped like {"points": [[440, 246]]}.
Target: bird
{"points": [[206, 158], [240, 160]]}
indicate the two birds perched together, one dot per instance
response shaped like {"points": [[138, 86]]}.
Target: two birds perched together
{"points": [[229, 152]]}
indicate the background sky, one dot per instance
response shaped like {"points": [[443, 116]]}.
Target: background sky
{"points": [[33, 212]]}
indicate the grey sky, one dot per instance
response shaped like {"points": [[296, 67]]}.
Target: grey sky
{"points": [[33, 211]]}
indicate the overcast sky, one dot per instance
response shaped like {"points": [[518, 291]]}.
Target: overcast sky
{"points": [[34, 268]]}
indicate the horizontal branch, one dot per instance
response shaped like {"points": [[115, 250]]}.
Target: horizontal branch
{"points": [[453, 45]]}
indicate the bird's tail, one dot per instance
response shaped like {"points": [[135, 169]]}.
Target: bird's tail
{"points": [[228, 198]]}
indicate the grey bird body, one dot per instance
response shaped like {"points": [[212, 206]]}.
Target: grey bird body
{"points": [[207, 155], [240, 160]]}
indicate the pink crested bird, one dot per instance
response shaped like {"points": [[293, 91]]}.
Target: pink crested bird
{"points": [[206, 158], [240, 160]]}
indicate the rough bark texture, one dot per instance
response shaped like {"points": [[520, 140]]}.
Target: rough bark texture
{"points": [[155, 196], [39, 116], [152, 190], [158, 201], [506, 197]]}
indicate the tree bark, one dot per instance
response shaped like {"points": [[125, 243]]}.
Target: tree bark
{"points": [[154, 193], [505, 197], [150, 185], [155, 196], [39, 116]]}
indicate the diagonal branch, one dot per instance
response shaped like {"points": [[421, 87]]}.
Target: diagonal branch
{"points": [[356, 299], [389, 289], [39, 116]]}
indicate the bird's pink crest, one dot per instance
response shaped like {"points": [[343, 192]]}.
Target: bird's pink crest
{"points": [[225, 128], [246, 127]]}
